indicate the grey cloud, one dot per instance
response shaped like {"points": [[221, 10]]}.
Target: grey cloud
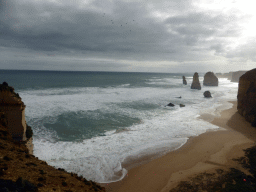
{"points": [[117, 30]]}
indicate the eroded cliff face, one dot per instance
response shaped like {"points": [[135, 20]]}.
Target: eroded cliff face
{"points": [[14, 109], [195, 83], [246, 98], [210, 79]]}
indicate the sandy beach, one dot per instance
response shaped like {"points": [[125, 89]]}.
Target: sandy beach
{"points": [[208, 151]]}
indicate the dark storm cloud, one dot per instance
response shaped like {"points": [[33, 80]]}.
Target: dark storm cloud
{"points": [[126, 30]]}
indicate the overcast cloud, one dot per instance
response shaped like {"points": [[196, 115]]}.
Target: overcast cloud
{"points": [[122, 35]]}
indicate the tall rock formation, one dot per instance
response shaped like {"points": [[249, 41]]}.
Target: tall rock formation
{"points": [[195, 83], [184, 80], [210, 79], [236, 75], [14, 110], [246, 98]]}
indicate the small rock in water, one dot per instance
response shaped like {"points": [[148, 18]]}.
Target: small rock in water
{"points": [[207, 94], [182, 105], [171, 105]]}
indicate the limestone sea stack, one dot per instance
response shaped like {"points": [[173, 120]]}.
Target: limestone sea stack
{"points": [[246, 97], [195, 83], [184, 80], [210, 79]]}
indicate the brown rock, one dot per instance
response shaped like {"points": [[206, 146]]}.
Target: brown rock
{"points": [[210, 79], [196, 84], [184, 80], [14, 110], [207, 94], [171, 105], [246, 97]]}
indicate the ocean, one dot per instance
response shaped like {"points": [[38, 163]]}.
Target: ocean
{"points": [[91, 123]]}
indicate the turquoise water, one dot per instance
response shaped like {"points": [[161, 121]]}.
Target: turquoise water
{"points": [[92, 122]]}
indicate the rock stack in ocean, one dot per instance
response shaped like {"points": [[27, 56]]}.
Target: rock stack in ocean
{"points": [[195, 83], [246, 98], [210, 79], [184, 80], [207, 94]]}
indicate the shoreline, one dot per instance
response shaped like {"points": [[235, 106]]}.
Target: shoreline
{"points": [[210, 150]]}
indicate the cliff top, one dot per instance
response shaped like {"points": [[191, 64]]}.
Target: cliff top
{"points": [[8, 96]]}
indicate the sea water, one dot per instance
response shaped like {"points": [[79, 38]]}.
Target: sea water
{"points": [[91, 123]]}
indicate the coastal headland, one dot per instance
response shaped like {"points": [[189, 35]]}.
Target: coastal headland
{"points": [[206, 152], [20, 170]]}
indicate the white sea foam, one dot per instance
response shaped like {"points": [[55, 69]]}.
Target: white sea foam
{"points": [[159, 131]]}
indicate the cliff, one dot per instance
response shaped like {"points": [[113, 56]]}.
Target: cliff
{"points": [[22, 171], [195, 83], [225, 75], [14, 109], [246, 97], [236, 75], [210, 79]]}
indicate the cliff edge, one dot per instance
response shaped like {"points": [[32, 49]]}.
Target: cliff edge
{"points": [[246, 97], [22, 171]]}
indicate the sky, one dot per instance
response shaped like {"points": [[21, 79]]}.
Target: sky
{"points": [[125, 35]]}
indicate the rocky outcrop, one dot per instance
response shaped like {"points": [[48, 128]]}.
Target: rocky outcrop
{"points": [[246, 97], [170, 105], [236, 75], [21, 171], [12, 107], [195, 83], [207, 94], [14, 110], [210, 79], [184, 80]]}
